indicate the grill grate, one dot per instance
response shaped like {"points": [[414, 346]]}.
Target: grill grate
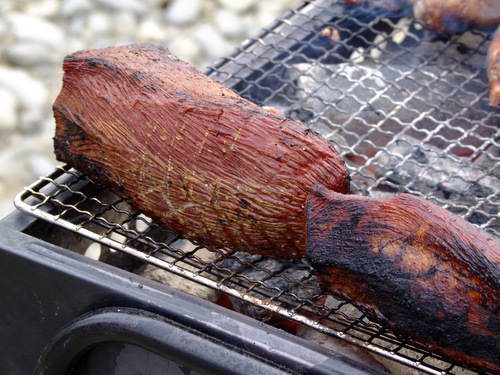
{"points": [[407, 110]]}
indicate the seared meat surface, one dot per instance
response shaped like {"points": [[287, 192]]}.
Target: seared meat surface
{"points": [[413, 266], [451, 16], [190, 153]]}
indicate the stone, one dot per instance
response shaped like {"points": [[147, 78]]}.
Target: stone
{"points": [[228, 23], [3, 28], [267, 12], [41, 165], [181, 12], [29, 28], [30, 91], [150, 30], [211, 41], [8, 113], [239, 6], [70, 8], [31, 95], [124, 24], [134, 6], [30, 120], [43, 8], [28, 54], [6, 205], [186, 49], [75, 26], [98, 24]]}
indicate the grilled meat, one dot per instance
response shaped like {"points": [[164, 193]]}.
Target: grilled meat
{"points": [[190, 153], [451, 16], [419, 269], [494, 70]]}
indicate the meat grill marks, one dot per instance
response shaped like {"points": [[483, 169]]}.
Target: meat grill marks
{"points": [[190, 153], [414, 266]]}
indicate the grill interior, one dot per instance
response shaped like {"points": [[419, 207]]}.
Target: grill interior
{"points": [[406, 109]]}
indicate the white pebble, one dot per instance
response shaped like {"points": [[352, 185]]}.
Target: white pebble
{"points": [[43, 8], [237, 6], [401, 30], [93, 251], [357, 56], [181, 12], [379, 45], [6, 202], [228, 22], [41, 165], [73, 45], [267, 12], [150, 31], [117, 237], [30, 92], [70, 8], [29, 28], [183, 245], [8, 112], [142, 223], [3, 28], [125, 24], [186, 49], [211, 41], [30, 120], [6, 207], [134, 6], [27, 54], [251, 28], [99, 24], [76, 26]]}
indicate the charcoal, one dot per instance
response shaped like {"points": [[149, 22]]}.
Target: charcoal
{"points": [[265, 278], [414, 166]]}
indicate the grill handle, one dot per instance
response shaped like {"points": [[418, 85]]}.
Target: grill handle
{"points": [[149, 331]]}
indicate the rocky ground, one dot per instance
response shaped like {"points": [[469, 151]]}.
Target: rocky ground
{"points": [[35, 35]]}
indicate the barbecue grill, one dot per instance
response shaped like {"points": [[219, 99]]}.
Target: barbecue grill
{"points": [[405, 108]]}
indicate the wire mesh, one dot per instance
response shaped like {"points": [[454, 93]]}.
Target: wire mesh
{"points": [[406, 109]]}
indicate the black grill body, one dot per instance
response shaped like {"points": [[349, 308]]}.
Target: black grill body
{"points": [[63, 313]]}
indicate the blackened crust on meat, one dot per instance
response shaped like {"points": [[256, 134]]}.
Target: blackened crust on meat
{"points": [[413, 266], [190, 153], [71, 135]]}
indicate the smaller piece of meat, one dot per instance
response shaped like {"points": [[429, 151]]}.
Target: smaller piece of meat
{"points": [[452, 16], [414, 266], [494, 70]]}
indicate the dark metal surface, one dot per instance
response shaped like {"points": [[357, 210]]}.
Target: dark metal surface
{"points": [[76, 310], [407, 110]]}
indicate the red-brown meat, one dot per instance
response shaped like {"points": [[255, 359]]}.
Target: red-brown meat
{"points": [[494, 70], [190, 153], [450, 16], [426, 273]]}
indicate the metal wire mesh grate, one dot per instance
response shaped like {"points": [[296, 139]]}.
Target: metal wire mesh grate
{"points": [[407, 110]]}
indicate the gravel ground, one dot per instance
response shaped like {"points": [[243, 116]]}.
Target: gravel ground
{"points": [[35, 35]]}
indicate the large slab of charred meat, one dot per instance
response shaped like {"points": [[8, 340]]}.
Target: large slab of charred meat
{"points": [[419, 269], [190, 153]]}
